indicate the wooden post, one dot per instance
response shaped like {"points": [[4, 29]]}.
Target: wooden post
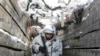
{"points": [[62, 19]]}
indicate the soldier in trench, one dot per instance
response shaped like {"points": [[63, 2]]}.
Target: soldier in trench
{"points": [[47, 43]]}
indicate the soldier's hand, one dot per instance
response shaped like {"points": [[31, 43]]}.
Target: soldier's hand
{"points": [[42, 49]]}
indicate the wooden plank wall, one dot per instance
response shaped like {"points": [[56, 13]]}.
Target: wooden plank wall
{"points": [[12, 24], [84, 40]]}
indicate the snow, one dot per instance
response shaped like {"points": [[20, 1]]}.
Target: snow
{"points": [[67, 8], [13, 38], [84, 18], [88, 4], [68, 46], [0, 1], [22, 4], [41, 4], [45, 21], [77, 3], [80, 32], [52, 3]]}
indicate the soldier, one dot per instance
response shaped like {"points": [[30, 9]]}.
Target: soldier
{"points": [[47, 43]]}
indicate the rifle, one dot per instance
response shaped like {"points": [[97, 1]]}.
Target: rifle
{"points": [[46, 51]]}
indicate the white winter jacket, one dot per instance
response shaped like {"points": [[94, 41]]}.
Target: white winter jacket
{"points": [[54, 46]]}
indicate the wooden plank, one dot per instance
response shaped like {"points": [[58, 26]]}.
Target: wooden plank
{"points": [[81, 32], [87, 25], [9, 25], [20, 22], [9, 41], [9, 52], [82, 52], [89, 40], [4, 23]]}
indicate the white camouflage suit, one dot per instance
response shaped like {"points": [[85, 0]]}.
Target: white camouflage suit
{"points": [[53, 46]]}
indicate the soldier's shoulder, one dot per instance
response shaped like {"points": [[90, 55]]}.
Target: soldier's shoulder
{"points": [[58, 38]]}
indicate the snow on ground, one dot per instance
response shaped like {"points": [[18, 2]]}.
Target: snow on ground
{"points": [[68, 7], [52, 3], [84, 18], [45, 21], [41, 4], [77, 4], [22, 4], [13, 38], [68, 46]]}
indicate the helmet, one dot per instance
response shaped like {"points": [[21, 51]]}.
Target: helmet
{"points": [[49, 29]]}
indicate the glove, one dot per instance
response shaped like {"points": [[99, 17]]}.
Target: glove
{"points": [[33, 51], [60, 55], [42, 49]]}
